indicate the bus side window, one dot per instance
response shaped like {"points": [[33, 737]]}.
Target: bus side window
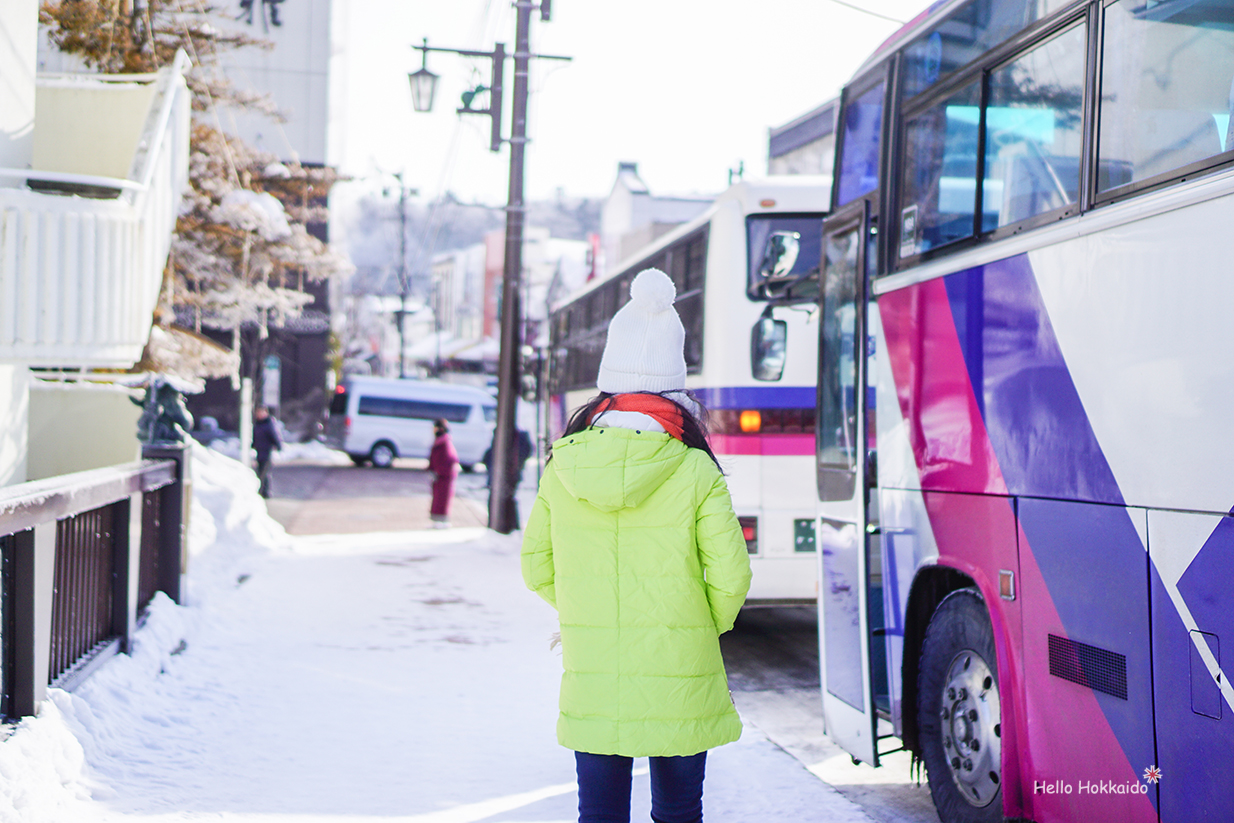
{"points": [[862, 139], [1165, 97], [1033, 132], [940, 170]]}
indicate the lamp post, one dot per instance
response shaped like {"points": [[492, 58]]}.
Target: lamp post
{"points": [[403, 284], [501, 510]]}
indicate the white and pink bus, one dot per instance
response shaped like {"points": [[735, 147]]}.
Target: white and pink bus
{"points": [[746, 272], [1025, 484]]}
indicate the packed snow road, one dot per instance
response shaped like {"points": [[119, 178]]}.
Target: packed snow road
{"points": [[338, 678]]}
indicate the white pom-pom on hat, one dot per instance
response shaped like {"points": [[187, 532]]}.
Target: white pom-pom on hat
{"points": [[645, 349], [654, 290]]}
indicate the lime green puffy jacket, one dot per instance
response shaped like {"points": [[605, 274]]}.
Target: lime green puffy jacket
{"points": [[634, 541]]}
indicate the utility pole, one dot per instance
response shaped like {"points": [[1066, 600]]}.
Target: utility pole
{"points": [[501, 514], [501, 510]]}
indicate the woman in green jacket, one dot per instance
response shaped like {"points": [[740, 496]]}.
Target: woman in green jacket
{"points": [[634, 541]]}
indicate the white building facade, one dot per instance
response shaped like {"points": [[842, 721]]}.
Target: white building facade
{"points": [[632, 217], [92, 170], [806, 144], [296, 74]]}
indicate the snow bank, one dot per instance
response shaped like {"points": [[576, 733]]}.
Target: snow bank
{"points": [[44, 776], [316, 451], [229, 526], [41, 771]]}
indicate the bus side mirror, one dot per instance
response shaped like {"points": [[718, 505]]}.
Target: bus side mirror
{"points": [[779, 256], [768, 347]]}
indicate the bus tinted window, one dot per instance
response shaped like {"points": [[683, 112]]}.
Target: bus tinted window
{"points": [[690, 309], [801, 281], [971, 31], [1033, 132], [1166, 90], [686, 265], [581, 327], [863, 127], [940, 162]]}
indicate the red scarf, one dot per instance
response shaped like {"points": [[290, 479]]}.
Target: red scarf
{"points": [[660, 409]]}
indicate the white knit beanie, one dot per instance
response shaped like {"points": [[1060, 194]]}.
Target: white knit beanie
{"points": [[645, 349]]}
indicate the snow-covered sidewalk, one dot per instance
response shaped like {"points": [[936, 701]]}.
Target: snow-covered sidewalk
{"points": [[400, 677]]}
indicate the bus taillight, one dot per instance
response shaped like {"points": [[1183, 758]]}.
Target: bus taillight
{"points": [[749, 531], [751, 421]]}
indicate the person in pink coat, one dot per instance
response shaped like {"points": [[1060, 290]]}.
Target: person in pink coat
{"points": [[443, 463]]}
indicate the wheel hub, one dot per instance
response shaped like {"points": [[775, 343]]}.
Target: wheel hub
{"points": [[971, 717]]}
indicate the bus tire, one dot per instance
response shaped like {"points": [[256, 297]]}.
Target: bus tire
{"points": [[959, 713], [382, 454]]}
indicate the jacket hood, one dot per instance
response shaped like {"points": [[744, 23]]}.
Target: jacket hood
{"points": [[613, 468]]}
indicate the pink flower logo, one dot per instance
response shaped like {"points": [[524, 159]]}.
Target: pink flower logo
{"points": [[1152, 774]]}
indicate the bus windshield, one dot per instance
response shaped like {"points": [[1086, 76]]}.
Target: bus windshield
{"points": [[798, 281]]}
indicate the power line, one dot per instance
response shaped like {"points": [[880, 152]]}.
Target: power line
{"points": [[867, 11]]}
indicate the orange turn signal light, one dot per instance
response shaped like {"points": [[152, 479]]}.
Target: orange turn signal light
{"points": [[750, 421]]}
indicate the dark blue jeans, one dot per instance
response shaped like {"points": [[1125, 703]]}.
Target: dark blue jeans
{"points": [[604, 788]]}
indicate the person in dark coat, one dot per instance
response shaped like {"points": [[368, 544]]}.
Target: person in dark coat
{"points": [[524, 447], [443, 463], [266, 441]]}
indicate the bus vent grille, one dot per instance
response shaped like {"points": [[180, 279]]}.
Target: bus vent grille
{"points": [[1098, 669]]}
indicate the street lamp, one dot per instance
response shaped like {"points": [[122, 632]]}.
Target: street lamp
{"points": [[501, 511], [423, 84], [404, 283]]}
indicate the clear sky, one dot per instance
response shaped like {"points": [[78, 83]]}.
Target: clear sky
{"points": [[685, 88]]}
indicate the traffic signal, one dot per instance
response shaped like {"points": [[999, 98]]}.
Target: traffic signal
{"points": [[530, 370]]}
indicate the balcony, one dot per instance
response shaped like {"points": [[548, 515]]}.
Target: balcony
{"points": [[84, 235]]}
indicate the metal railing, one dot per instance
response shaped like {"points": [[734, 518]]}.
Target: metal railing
{"points": [[84, 593], [151, 524], [83, 554]]}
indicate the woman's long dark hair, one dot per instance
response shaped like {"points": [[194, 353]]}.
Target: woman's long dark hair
{"points": [[693, 427]]}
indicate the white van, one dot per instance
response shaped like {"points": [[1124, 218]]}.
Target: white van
{"points": [[377, 419]]}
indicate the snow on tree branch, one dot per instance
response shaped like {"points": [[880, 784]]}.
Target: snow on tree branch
{"points": [[241, 250]]}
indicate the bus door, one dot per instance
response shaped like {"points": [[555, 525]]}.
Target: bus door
{"points": [[847, 534]]}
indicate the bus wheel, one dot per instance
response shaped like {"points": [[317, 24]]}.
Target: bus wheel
{"points": [[958, 711], [382, 455]]}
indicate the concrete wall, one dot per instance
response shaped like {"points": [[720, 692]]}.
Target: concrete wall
{"points": [[18, 49], [89, 130], [76, 427], [14, 413]]}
